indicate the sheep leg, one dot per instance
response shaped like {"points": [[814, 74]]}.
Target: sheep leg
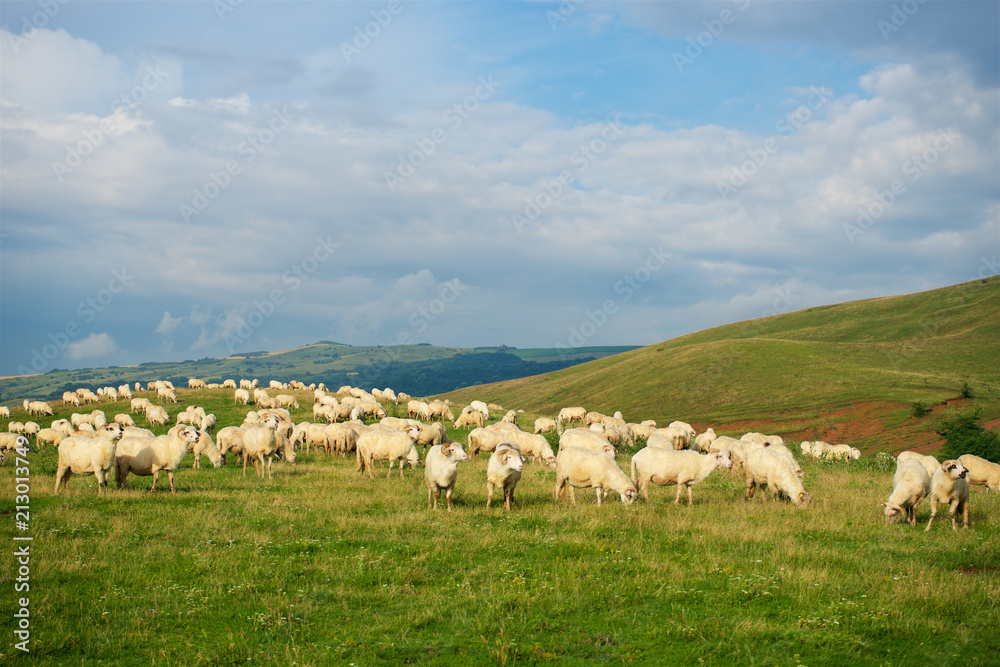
{"points": [[156, 476], [102, 481], [170, 476], [572, 494], [245, 466], [430, 497], [934, 505], [690, 501], [62, 475], [270, 461], [677, 498], [447, 496], [599, 496], [489, 495], [560, 488], [751, 488], [508, 499]]}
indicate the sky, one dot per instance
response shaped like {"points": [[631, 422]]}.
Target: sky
{"points": [[192, 179]]}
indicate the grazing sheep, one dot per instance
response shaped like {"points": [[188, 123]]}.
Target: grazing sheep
{"points": [[544, 425], [12, 441], [230, 439], [481, 408], [40, 408], [671, 437], [31, 428], [205, 446], [484, 440], [70, 398], [430, 434], [775, 471], [287, 401], [949, 486], [208, 423], [341, 438], [839, 453], [577, 467], [385, 444], [981, 472], [418, 410], [140, 405], [929, 463], [581, 437], [439, 410], [5, 412], [85, 456], [241, 396], [148, 456], [569, 415], [510, 417], [441, 471], [504, 471], [195, 383], [124, 420], [157, 416], [910, 485], [721, 444], [260, 444], [49, 436], [533, 447], [470, 417], [683, 468], [113, 431]]}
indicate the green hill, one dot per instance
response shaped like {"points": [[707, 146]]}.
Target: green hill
{"points": [[805, 373]]}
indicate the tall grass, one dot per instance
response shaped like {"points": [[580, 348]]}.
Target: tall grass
{"points": [[325, 566]]}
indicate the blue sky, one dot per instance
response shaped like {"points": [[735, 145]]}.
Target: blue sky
{"points": [[181, 181]]}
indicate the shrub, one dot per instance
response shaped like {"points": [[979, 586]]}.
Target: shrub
{"points": [[964, 434], [920, 409], [966, 390]]}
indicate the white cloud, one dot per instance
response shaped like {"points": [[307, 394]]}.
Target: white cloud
{"points": [[94, 346], [168, 323]]}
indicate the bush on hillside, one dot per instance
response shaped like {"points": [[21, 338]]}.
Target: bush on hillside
{"points": [[964, 434]]}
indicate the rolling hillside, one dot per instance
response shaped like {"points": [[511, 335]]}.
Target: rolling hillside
{"points": [[846, 371]]}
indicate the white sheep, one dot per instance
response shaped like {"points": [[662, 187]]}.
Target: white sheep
{"points": [[484, 440], [85, 456], [569, 415], [683, 468], [148, 456], [504, 471], [124, 420], [671, 437], [12, 442], [533, 447], [385, 444], [470, 417], [839, 453], [776, 471], [341, 438], [40, 408], [929, 463], [949, 486], [481, 408], [208, 423], [241, 396], [260, 444], [205, 446], [439, 410], [49, 436], [703, 441], [582, 437], [5, 412], [577, 467], [287, 401], [441, 471], [910, 485], [981, 472], [418, 410], [544, 425]]}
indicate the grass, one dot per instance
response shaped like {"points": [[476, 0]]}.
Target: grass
{"points": [[324, 566]]}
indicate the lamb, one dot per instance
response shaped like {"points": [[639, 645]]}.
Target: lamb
{"points": [[929, 463], [85, 456], [70, 398], [469, 417], [544, 425], [581, 437], [31, 428], [12, 441], [950, 486], [148, 456], [578, 467], [441, 471], [157, 416], [981, 472], [683, 468], [385, 444], [775, 471], [504, 471]]}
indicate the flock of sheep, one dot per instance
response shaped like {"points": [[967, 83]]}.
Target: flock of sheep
{"points": [[674, 455]]}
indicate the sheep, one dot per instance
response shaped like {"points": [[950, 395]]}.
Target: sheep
{"points": [[439, 410], [260, 443], [40, 408], [683, 468], [643, 430], [418, 409], [484, 440], [208, 423], [568, 415], [671, 437], [195, 383], [687, 428], [230, 439], [287, 401], [839, 453], [581, 437], [205, 446], [578, 467], [148, 456], [139, 404], [241, 396], [4, 412], [981, 472], [469, 417], [385, 444], [504, 471], [950, 486], [481, 408], [124, 420], [533, 447], [704, 440], [441, 471], [619, 435], [157, 416], [136, 432], [70, 398], [341, 438], [112, 430], [49, 436], [63, 426], [721, 444], [31, 428], [229, 384], [124, 392], [819, 448], [188, 417], [85, 456], [430, 434], [775, 471], [929, 463], [544, 425], [510, 417], [12, 442]]}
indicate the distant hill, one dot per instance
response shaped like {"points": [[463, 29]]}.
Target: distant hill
{"points": [[416, 369], [848, 369]]}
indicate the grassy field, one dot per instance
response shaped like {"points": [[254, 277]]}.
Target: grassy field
{"points": [[321, 566]]}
